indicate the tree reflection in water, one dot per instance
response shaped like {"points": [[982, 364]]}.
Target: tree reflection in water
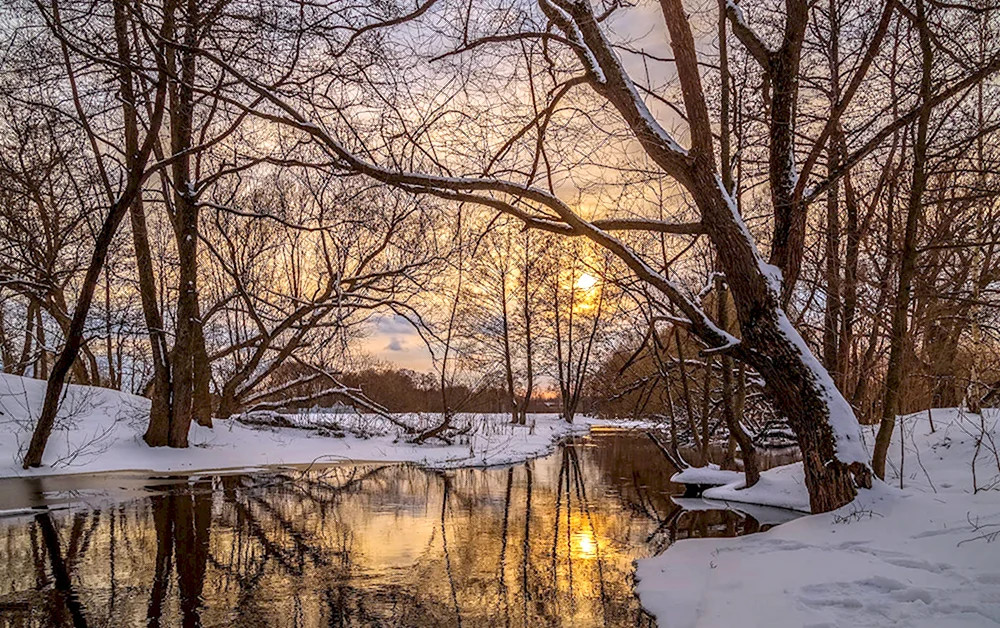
{"points": [[547, 543]]}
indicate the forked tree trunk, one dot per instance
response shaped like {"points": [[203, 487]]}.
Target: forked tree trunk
{"points": [[908, 256], [159, 413], [796, 382], [800, 388], [202, 375], [188, 360]]}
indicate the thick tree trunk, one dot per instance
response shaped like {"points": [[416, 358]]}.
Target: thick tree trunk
{"points": [[788, 240], [189, 374], [202, 376], [159, 414], [799, 387], [796, 383]]}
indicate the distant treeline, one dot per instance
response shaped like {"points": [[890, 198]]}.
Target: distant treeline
{"points": [[402, 390]]}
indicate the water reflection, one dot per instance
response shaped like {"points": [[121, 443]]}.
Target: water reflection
{"points": [[547, 543]]}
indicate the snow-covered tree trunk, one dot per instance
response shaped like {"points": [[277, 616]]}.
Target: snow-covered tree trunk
{"points": [[801, 389], [827, 430]]}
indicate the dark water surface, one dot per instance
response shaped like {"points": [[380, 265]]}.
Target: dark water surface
{"points": [[547, 543]]}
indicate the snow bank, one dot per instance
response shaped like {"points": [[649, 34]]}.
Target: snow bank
{"points": [[711, 475], [926, 555], [780, 487], [101, 430]]}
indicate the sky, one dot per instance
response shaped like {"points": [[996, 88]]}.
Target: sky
{"points": [[394, 340]]}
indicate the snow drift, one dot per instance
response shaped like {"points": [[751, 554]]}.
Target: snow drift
{"points": [[924, 555]]}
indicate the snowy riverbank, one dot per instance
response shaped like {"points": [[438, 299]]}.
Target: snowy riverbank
{"points": [[924, 555], [101, 430]]}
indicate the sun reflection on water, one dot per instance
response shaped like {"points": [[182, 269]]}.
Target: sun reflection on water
{"points": [[585, 545]]}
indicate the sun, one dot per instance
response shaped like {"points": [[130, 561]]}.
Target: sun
{"points": [[586, 281]]}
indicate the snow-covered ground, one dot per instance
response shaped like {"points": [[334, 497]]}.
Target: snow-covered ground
{"points": [[101, 430], [924, 555]]}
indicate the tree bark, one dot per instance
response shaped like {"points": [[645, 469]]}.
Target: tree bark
{"points": [[74, 333], [188, 392], [832, 307], [908, 256], [529, 375], [797, 384], [159, 414], [788, 239], [74, 337]]}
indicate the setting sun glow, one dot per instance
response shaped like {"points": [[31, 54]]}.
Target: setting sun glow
{"points": [[586, 281]]}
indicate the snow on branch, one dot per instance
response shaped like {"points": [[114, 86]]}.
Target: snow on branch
{"points": [[750, 40], [561, 18], [613, 81], [358, 397]]}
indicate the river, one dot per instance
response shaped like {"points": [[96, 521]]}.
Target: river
{"points": [[551, 542]]}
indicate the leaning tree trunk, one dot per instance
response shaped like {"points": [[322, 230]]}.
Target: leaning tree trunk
{"points": [[74, 335], [74, 339], [801, 389], [797, 384], [834, 461]]}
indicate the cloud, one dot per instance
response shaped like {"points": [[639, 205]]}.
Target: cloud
{"points": [[396, 325], [395, 344]]}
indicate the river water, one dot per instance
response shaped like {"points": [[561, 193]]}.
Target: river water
{"points": [[551, 542]]}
